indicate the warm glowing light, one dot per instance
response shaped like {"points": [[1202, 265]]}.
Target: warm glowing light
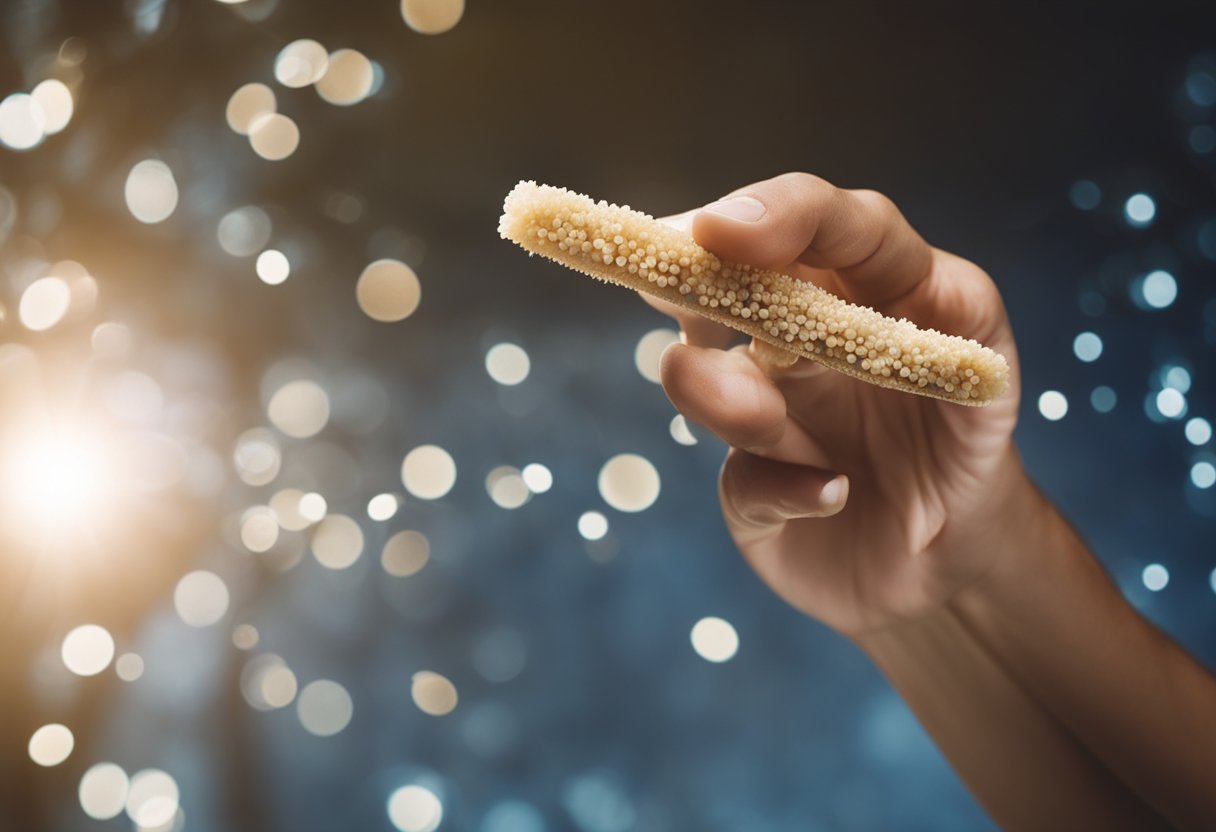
{"points": [[51, 745], [247, 105], [22, 122], [286, 507], [201, 598], [507, 488], [273, 267], [337, 541], [405, 553], [628, 482], [428, 472], [55, 99], [129, 666], [87, 650], [274, 136], [415, 809], [301, 63], [268, 683], [680, 432], [299, 408], [537, 477], [650, 349], [432, 17], [388, 291], [382, 507], [111, 340], [151, 191], [259, 529], [103, 791], [432, 693], [324, 708], [44, 303], [1053, 405], [152, 798], [714, 639], [507, 364], [313, 507], [592, 525], [244, 232], [55, 480], [245, 636], [257, 457], [348, 79]]}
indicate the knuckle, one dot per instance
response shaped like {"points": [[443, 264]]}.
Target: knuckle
{"points": [[877, 204]]}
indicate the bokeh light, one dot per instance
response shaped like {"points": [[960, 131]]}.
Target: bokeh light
{"points": [[248, 104], [87, 650], [680, 432], [51, 744], [1155, 577], [650, 349], [537, 477], [324, 708], [201, 598], [55, 100], [405, 553], [152, 798], [274, 136], [433, 693], [243, 232], [337, 541], [151, 191], [267, 683], [1198, 431], [1103, 399], [383, 507], [273, 267], [44, 303], [103, 791], [1203, 474], [629, 482], [300, 63], [1087, 347], [432, 17], [507, 364], [22, 122], [428, 472], [592, 525], [129, 667], [714, 639], [299, 408], [1053, 405], [348, 78], [507, 488], [1140, 210], [415, 809], [388, 291], [1156, 290]]}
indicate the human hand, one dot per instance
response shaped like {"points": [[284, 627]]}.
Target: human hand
{"points": [[859, 505]]}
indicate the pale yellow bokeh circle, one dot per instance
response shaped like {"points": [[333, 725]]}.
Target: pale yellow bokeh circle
{"points": [[432, 17], [388, 291]]}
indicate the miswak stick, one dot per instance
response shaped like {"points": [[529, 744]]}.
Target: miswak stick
{"points": [[619, 245]]}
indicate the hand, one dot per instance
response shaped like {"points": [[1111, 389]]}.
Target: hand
{"points": [[859, 505]]}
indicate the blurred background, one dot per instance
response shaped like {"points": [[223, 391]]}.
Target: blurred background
{"points": [[322, 508]]}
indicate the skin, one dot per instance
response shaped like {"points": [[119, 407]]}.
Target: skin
{"points": [[908, 525]]}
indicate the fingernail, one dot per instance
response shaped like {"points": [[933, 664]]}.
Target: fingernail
{"points": [[833, 493], [740, 208]]}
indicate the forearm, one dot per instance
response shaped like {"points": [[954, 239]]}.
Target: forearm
{"points": [[1022, 766], [1051, 618]]}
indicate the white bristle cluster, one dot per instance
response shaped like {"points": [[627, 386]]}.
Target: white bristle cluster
{"points": [[623, 246]]}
